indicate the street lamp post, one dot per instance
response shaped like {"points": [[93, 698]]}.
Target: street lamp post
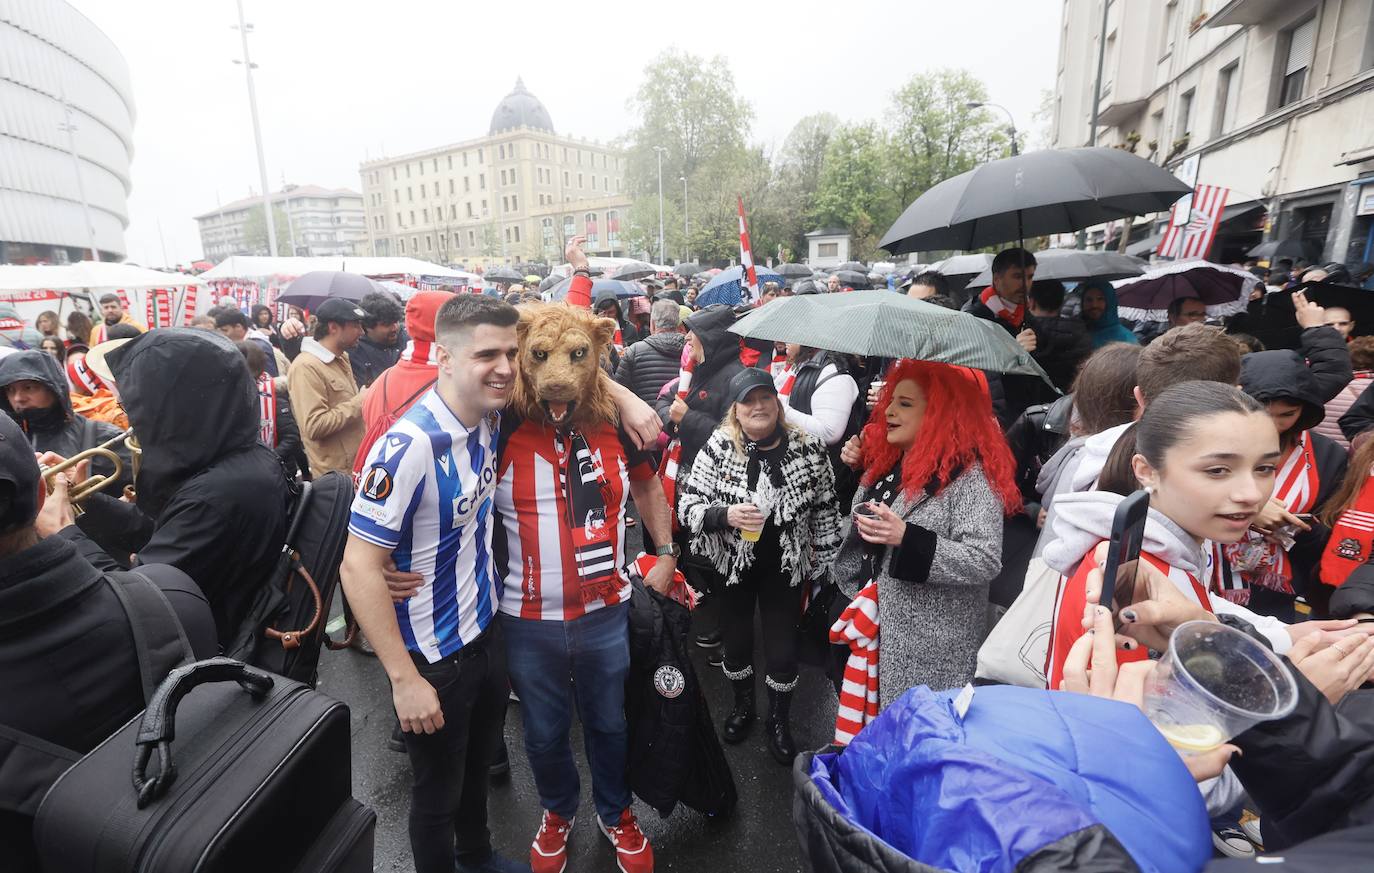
{"points": [[70, 128], [686, 245], [659, 150], [248, 66], [977, 105]]}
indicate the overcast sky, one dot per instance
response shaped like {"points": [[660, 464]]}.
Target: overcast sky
{"points": [[346, 80]]}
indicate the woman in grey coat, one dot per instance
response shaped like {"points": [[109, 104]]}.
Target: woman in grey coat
{"points": [[938, 495]]}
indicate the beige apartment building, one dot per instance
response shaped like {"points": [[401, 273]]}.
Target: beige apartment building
{"points": [[514, 195], [1274, 98], [319, 222]]}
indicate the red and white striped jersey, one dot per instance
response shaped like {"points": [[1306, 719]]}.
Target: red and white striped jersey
{"points": [[537, 563]]}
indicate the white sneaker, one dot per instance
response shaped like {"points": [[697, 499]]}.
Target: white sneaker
{"points": [[1250, 824], [1232, 842]]}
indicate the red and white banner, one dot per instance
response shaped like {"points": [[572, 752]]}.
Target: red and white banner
{"points": [[1191, 237], [746, 257]]}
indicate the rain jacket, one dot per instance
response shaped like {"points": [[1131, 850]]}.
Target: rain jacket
{"points": [[14, 333], [400, 385], [1108, 328], [710, 395], [60, 429], [328, 407], [1282, 375], [212, 500], [1025, 780]]}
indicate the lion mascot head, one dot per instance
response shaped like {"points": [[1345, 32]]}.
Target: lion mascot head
{"points": [[561, 381]]}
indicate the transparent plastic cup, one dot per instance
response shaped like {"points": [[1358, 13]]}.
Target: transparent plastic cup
{"points": [[1213, 683]]}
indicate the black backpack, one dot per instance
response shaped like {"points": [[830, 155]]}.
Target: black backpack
{"points": [[284, 629], [808, 383]]}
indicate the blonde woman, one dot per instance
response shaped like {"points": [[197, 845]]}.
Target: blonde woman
{"points": [[760, 506]]}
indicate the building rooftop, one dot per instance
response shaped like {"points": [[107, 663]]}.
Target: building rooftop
{"points": [[828, 231], [520, 108], [289, 191]]}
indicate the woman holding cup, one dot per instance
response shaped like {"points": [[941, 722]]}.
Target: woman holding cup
{"points": [[759, 504]]}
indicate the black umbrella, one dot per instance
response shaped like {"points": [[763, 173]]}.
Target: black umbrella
{"points": [[1284, 248], [312, 289], [688, 269], [1359, 301], [793, 271], [807, 286], [634, 270], [1035, 194], [852, 278], [503, 274], [856, 266], [541, 270]]}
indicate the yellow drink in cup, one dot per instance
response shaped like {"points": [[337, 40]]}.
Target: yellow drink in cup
{"points": [[1193, 739], [750, 536]]}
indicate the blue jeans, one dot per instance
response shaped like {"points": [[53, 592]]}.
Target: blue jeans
{"points": [[554, 666]]}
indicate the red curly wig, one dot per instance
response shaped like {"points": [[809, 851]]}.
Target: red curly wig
{"points": [[958, 430]]}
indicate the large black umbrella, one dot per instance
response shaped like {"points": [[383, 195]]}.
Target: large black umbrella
{"points": [[540, 270], [1035, 194], [1284, 248], [634, 270], [311, 289], [792, 272], [852, 278], [503, 274], [688, 269], [1072, 265]]}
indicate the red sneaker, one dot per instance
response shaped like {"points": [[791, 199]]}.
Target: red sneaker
{"points": [[633, 854], [549, 851]]}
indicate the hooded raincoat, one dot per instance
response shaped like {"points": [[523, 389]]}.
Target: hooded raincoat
{"points": [[212, 500], [1107, 328], [710, 395]]}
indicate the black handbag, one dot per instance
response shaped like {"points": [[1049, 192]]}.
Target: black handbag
{"points": [[825, 608]]}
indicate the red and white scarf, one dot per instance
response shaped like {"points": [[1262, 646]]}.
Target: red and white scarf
{"points": [[857, 628], [1003, 309], [672, 458], [784, 377], [267, 411], [1260, 561], [1351, 537]]}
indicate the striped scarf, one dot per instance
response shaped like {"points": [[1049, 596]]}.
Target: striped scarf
{"points": [[1263, 562], [1012, 315], [672, 458], [1351, 537], [584, 483], [267, 411], [857, 627]]}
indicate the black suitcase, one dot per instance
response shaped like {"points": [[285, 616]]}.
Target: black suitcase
{"points": [[285, 626], [234, 771]]}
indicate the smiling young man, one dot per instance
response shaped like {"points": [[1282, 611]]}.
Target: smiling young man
{"points": [[425, 501]]}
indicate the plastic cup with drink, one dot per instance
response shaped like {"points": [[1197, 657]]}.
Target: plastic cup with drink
{"points": [[1213, 683], [762, 498]]}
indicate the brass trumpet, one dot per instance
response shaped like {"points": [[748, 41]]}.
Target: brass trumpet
{"points": [[97, 482]]}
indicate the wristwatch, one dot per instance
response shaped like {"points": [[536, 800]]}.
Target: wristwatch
{"points": [[671, 549]]}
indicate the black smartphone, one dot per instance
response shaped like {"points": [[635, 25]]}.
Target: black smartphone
{"points": [[1123, 550]]}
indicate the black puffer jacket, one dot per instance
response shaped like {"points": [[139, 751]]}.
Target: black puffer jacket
{"points": [[674, 755], [709, 397], [212, 500], [650, 364], [59, 429], [1282, 375]]}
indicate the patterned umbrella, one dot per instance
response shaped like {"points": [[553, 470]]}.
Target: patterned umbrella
{"points": [[727, 288], [1224, 290], [879, 323]]}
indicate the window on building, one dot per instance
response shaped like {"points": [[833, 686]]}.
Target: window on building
{"points": [[1296, 53], [402, 242], [1166, 37], [453, 212], [589, 221], [422, 190], [1228, 92], [450, 186], [470, 212], [508, 234], [515, 203], [1185, 114], [565, 178], [501, 152], [593, 183], [503, 177], [512, 175], [422, 168], [467, 184], [580, 183], [516, 232], [828, 250], [393, 174], [449, 158], [617, 186], [436, 165], [429, 244], [396, 194], [410, 194], [412, 216], [414, 243], [569, 227], [479, 156], [424, 213], [612, 228], [465, 159], [482, 181], [398, 220], [505, 204], [605, 184]]}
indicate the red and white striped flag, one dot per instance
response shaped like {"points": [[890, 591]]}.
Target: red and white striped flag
{"points": [[746, 257], [1190, 239]]}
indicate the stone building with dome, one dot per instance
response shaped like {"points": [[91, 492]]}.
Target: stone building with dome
{"points": [[514, 195]]}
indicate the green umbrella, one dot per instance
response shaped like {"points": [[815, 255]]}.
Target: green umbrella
{"points": [[886, 325]]}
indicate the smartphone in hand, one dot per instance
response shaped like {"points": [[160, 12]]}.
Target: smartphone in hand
{"points": [[1123, 549]]}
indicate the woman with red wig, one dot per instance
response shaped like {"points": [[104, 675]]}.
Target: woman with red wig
{"points": [[937, 495]]}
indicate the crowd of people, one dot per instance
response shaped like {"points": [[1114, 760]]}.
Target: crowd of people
{"points": [[817, 496]]}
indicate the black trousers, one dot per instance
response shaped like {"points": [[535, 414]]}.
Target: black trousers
{"points": [[779, 605], [448, 803]]}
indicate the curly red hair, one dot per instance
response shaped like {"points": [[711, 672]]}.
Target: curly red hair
{"points": [[957, 431]]}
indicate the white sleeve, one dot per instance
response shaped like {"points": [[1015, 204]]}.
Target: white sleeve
{"points": [[830, 405], [1275, 631], [389, 490]]}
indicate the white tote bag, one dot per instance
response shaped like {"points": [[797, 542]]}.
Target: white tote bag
{"points": [[1015, 651]]}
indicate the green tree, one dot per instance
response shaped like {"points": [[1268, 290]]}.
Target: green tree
{"points": [[255, 231], [854, 191]]}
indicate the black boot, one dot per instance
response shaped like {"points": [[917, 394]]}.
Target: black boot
{"points": [[741, 718], [780, 744]]}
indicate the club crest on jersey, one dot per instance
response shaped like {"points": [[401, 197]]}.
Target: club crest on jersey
{"points": [[1349, 548], [377, 484], [669, 681]]}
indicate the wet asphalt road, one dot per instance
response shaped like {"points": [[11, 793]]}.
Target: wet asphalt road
{"points": [[757, 838]]}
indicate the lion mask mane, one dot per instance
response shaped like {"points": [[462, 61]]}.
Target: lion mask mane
{"points": [[561, 381]]}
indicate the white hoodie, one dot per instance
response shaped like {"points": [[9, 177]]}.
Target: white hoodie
{"points": [[1083, 520]]}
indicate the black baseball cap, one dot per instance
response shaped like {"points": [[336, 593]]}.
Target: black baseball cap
{"points": [[747, 380], [339, 311], [19, 477]]}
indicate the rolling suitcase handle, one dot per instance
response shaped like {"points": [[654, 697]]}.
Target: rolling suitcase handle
{"points": [[158, 727]]}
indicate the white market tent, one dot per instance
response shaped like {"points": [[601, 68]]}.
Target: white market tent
{"points": [[255, 266], [30, 289]]}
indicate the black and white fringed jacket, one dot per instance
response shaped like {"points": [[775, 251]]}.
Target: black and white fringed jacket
{"points": [[805, 513]]}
